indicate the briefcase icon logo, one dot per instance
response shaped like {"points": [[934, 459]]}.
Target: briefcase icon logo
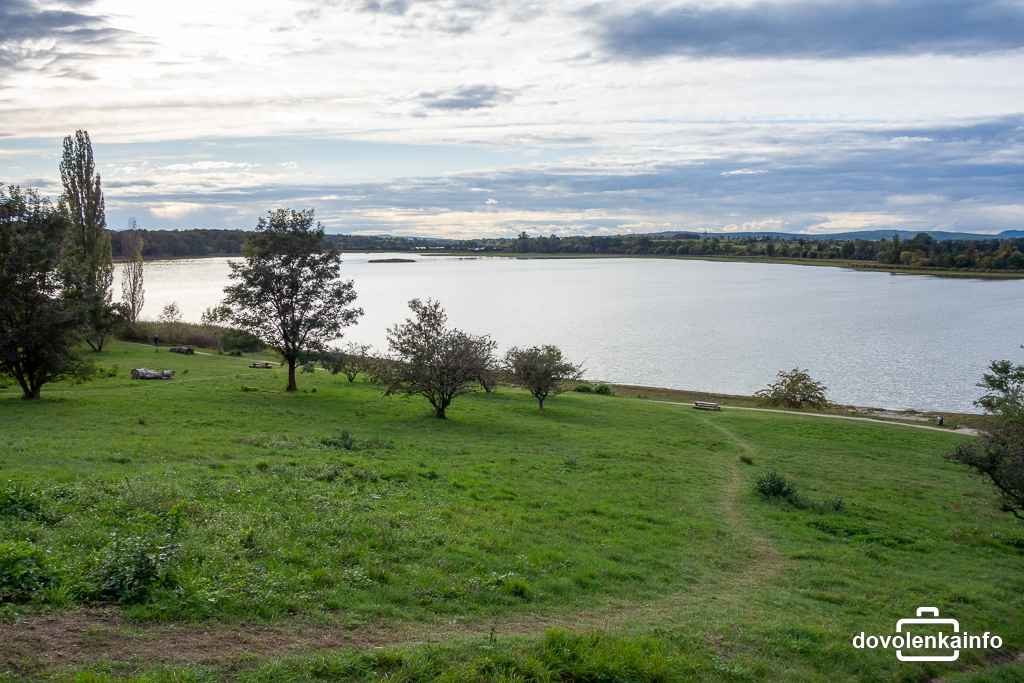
{"points": [[928, 616]]}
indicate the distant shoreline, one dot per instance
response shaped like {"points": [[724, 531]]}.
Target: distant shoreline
{"points": [[864, 266], [828, 263]]}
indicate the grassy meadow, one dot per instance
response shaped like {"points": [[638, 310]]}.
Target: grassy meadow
{"points": [[214, 527]]}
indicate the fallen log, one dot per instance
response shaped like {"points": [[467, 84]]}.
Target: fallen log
{"points": [[263, 365], [187, 350], [146, 373]]}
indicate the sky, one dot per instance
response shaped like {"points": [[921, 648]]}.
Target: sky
{"points": [[474, 118]]}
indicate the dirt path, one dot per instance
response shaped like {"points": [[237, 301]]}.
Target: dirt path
{"points": [[765, 559], [83, 636], [966, 431]]}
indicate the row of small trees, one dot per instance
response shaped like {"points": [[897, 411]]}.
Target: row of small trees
{"points": [[288, 292], [438, 362]]}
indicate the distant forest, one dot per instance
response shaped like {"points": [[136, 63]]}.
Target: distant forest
{"points": [[197, 243], [921, 251]]}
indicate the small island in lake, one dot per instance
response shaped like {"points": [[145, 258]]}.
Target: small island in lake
{"points": [[393, 260]]}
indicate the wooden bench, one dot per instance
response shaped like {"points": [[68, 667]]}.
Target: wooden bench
{"points": [[706, 405], [262, 365]]}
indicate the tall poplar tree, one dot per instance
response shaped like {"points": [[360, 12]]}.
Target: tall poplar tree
{"points": [[88, 265], [133, 294]]}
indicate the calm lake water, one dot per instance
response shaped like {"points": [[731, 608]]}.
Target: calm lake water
{"points": [[876, 339]]}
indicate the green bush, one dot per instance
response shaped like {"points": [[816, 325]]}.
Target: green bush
{"points": [[22, 571], [584, 388], [343, 441], [603, 389], [774, 485], [237, 342], [21, 502], [794, 389], [131, 566]]}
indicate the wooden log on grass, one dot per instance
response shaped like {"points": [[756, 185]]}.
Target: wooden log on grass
{"points": [[146, 374]]}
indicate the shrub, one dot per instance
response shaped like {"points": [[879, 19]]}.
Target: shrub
{"points": [[131, 566], [584, 388], [344, 441], [22, 571], [239, 341], [604, 390], [774, 485], [20, 502], [834, 505], [794, 389], [227, 339]]}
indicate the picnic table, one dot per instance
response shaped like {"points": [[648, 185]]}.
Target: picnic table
{"points": [[706, 405]]}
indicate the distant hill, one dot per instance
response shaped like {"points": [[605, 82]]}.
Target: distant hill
{"points": [[871, 235]]}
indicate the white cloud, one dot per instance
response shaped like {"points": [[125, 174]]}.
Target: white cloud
{"points": [[174, 210], [224, 108], [744, 171]]}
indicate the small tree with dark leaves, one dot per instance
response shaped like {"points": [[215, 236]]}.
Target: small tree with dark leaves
{"points": [[349, 361], [999, 453], [39, 328], [794, 389], [288, 292], [542, 370], [432, 360]]}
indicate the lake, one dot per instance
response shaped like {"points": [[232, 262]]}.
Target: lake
{"points": [[876, 339]]}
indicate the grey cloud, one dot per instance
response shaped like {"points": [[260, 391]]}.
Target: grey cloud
{"points": [[394, 7], [466, 97], [446, 16], [957, 181], [74, 36], [813, 29]]}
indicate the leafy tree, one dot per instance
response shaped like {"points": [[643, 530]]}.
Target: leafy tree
{"points": [[999, 453], [171, 314], [38, 328], [133, 295], [488, 378], [794, 389], [288, 291], [433, 360], [215, 315], [350, 361], [542, 370], [170, 317], [88, 266]]}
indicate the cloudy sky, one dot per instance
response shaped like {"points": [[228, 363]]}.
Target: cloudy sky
{"points": [[476, 117]]}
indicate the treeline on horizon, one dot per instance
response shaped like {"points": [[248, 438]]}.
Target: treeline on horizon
{"points": [[200, 242], [922, 251]]}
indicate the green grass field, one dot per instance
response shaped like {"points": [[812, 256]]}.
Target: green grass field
{"points": [[604, 539]]}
